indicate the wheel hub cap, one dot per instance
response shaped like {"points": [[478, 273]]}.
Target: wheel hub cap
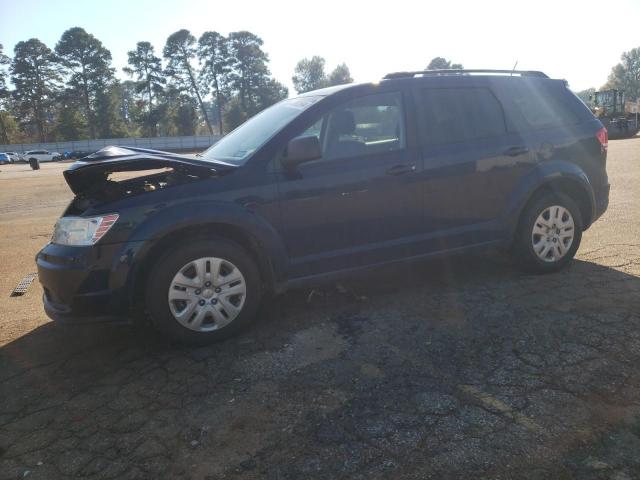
{"points": [[207, 294], [553, 233]]}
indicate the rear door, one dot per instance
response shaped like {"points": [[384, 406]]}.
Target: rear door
{"points": [[353, 205], [471, 164]]}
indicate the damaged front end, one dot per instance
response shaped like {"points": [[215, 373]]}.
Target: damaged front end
{"points": [[92, 178], [86, 268]]}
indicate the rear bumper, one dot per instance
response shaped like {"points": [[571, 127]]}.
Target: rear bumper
{"points": [[85, 284], [601, 197]]}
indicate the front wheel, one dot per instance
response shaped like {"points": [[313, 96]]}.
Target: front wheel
{"points": [[549, 233], [203, 292]]}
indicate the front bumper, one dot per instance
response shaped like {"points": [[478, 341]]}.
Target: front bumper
{"points": [[86, 284], [67, 314]]}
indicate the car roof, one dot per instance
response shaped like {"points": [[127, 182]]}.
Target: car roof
{"points": [[438, 77]]}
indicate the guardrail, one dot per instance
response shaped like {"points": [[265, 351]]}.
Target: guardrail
{"points": [[195, 142]]}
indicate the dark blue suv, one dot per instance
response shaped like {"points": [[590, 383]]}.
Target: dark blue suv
{"points": [[335, 180]]}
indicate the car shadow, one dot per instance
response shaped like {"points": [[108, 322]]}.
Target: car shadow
{"points": [[413, 359], [282, 316]]}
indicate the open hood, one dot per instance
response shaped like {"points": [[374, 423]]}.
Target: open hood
{"points": [[91, 171]]}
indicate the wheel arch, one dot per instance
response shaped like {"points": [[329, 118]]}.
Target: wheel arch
{"points": [[168, 227], [252, 245], [554, 177], [573, 189]]}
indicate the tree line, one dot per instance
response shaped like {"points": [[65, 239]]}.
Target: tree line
{"points": [[624, 76], [208, 84], [205, 85]]}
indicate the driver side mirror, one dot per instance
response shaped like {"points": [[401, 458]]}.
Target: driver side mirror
{"points": [[300, 150]]}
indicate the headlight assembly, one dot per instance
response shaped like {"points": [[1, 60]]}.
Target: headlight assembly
{"points": [[82, 231]]}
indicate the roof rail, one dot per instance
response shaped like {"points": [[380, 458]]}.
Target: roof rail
{"points": [[520, 73]]}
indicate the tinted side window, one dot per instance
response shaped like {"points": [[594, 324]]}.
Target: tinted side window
{"points": [[541, 106], [460, 114], [364, 126]]}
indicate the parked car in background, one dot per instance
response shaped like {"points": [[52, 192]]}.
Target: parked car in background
{"points": [[16, 157], [333, 181], [43, 155], [4, 158]]}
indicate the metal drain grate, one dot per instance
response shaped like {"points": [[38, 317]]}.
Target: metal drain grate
{"points": [[21, 289]]}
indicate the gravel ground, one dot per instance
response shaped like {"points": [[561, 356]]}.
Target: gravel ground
{"points": [[459, 368]]}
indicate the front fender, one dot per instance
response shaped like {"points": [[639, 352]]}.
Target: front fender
{"points": [[545, 173], [166, 221]]}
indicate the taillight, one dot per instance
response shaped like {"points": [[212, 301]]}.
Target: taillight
{"points": [[603, 138]]}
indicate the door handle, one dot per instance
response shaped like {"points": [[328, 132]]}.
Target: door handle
{"points": [[515, 151], [401, 169]]}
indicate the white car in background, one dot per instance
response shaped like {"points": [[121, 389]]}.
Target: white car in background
{"points": [[42, 155], [16, 157]]}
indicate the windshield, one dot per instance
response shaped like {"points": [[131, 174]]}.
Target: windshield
{"points": [[236, 147]]}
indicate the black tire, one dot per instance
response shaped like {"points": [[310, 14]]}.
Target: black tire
{"points": [[523, 252], [161, 276], [34, 163]]}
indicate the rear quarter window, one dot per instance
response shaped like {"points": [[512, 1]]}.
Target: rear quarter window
{"points": [[538, 106]]}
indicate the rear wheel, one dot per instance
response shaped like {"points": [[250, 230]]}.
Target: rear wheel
{"points": [[203, 292], [549, 233]]}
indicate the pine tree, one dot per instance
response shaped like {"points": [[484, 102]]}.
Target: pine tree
{"points": [[35, 76], [88, 66], [180, 51]]}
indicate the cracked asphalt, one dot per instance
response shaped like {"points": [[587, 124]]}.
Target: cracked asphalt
{"points": [[457, 368]]}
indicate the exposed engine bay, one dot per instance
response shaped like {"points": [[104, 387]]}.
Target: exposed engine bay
{"points": [[114, 173], [114, 188]]}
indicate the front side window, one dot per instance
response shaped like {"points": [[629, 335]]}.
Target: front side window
{"points": [[239, 145], [460, 114], [363, 126]]}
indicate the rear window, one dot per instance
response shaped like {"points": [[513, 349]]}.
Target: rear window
{"points": [[460, 114], [543, 105]]}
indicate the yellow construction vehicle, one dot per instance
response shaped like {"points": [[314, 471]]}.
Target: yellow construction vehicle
{"points": [[619, 117]]}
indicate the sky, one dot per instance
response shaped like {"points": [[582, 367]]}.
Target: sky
{"points": [[564, 38]]}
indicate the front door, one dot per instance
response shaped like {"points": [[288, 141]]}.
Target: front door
{"points": [[363, 196]]}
